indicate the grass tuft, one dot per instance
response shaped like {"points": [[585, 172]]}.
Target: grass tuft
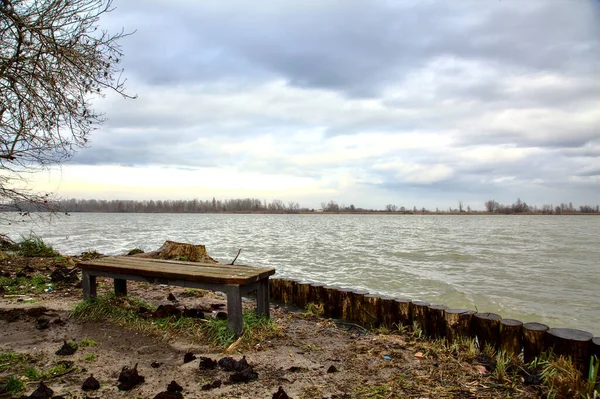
{"points": [[12, 386], [33, 246], [10, 360], [255, 329], [87, 342]]}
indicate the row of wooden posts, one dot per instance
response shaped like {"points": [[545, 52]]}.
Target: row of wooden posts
{"points": [[438, 321]]}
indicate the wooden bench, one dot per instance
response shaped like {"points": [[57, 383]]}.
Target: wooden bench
{"points": [[234, 281]]}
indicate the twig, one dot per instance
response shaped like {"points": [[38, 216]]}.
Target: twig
{"points": [[234, 259]]}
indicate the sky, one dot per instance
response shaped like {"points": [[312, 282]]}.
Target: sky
{"points": [[414, 103]]}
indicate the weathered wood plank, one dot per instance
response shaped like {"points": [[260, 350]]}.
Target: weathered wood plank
{"points": [[175, 270], [436, 324]]}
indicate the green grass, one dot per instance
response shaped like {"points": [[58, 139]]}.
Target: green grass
{"points": [[87, 342], [57, 370], [32, 373], [255, 329], [123, 311], [10, 360], [12, 386], [33, 246], [90, 357], [35, 284]]}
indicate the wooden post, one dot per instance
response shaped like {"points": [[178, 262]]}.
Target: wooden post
{"points": [[235, 321], [346, 303], [595, 348], [405, 311], [571, 343], [388, 309], [458, 324], [262, 298], [371, 311], [275, 289], [534, 340], [120, 287], [486, 327], [288, 290], [419, 314], [511, 336], [436, 325], [334, 305], [357, 299], [88, 283], [303, 293], [317, 294]]}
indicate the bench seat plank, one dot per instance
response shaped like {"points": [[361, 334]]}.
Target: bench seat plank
{"points": [[191, 271]]}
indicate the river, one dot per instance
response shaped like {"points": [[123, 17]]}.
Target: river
{"points": [[532, 268]]}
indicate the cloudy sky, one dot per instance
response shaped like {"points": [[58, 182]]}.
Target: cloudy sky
{"points": [[414, 103]]}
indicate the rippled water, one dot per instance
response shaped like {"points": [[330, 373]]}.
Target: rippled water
{"points": [[533, 268]]}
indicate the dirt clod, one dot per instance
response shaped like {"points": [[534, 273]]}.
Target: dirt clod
{"points": [[174, 387], [42, 323], [90, 384], [206, 363], [332, 369], [42, 392], [155, 364], [212, 385], [188, 357], [66, 350], [230, 364], [245, 375], [221, 316], [163, 311], [129, 378], [171, 297], [169, 395], [280, 394]]}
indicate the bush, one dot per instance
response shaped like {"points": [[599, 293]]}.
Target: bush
{"points": [[33, 246]]}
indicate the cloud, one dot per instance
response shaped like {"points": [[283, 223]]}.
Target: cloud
{"points": [[374, 101]]}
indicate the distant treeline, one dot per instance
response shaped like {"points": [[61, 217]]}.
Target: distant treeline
{"points": [[278, 206]]}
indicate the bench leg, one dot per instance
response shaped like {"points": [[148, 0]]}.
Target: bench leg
{"points": [[234, 310], [262, 298], [88, 283], [120, 287]]}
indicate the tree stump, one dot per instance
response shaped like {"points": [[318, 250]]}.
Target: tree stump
{"points": [[511, 337], [419, 314], [534, 340], [179, 251], [572, 343], [486, 327], [405, 311], [436, 324], [458, 324]]}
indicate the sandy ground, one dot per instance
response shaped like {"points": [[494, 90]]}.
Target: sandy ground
{"points": [[311, 358]]}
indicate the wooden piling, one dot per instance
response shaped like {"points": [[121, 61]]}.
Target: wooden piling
{"points": [[486, 327], [275, 289], [511, 336], [571, 343], [389, 312], [317, 294], [334, 305], [371, 311], [458, 324], [289, 289], [302, 295], [405, 311], [595, 348], [357, 298], [419, 314], [436, 324], [534, 340]]}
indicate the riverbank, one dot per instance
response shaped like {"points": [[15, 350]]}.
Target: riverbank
{"points": [[307, 355]]}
